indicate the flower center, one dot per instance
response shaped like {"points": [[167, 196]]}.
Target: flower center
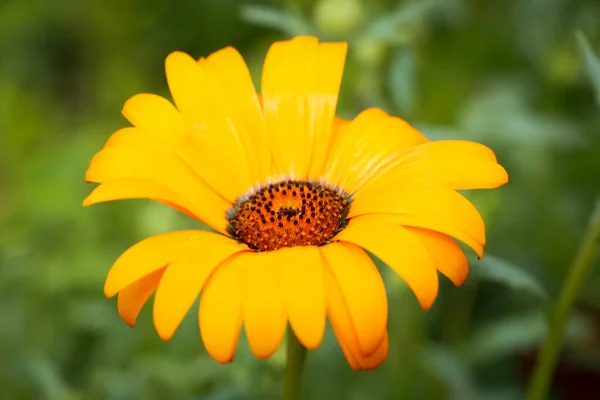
{"points": [[288, 214]]}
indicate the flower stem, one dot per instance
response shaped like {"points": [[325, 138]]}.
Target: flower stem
{"points": [[540, 382], [292, 376]]}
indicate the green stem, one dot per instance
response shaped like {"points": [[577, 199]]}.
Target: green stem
{"points": [[546, 363], [292, 376]]}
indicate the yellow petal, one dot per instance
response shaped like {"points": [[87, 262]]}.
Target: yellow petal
{"points": [[457, 164], [300, 84], [231, 92], [338, 128], [220, 312], [374, 360], [399, 249], [329, 69], [446, 254], [150, 255], [136, 136], [244, 108], [438, 226], [131, 299], [157, 118], [350, 357], [345, 329], [201, 99], [180, 149], [360, 362], [138, 188], [302, 278], [132, 188], [363, 291], [365, 148], [184, 278], [264, 313], [129, 136], [430, 206], [340, 318], [165, 169]]}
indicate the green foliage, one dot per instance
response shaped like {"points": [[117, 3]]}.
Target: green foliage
{"points": [[507, 74], [592, 63], [271, 17], [494, 269]]}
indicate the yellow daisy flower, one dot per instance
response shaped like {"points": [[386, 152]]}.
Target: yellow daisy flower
{"points": [[295, 196]]}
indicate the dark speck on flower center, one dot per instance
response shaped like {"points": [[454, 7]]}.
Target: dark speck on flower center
{"points": [[288, 214]]}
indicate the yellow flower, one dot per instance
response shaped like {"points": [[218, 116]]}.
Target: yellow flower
{"points": [[295, 195]]}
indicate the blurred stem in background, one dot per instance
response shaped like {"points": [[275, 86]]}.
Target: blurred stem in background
{"points": [[294, 364], [579, 270]]}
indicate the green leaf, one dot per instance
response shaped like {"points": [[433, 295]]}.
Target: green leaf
{"points": [[450, 370], [42, 374], [387, 28], [512, 334], [224, 394], [592, 62], [505, 336], [271, 17], [402, 78], [498, 270]]}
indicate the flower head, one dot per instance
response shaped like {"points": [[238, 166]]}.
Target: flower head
{"points": [[295, 196]]}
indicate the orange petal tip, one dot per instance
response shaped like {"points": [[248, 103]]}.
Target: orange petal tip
{"points": [[459, 283], [87, 201], [130, 323], [109, 287], [225, 361], [109, 292], [427, 303], [163, 335]]}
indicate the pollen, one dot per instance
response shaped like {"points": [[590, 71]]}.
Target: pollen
{"points": [[288, 214]]}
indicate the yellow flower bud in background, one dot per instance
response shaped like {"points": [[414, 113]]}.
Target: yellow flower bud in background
{"points": [[369, 51], [338, 17]]}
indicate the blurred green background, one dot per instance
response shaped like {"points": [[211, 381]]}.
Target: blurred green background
{"points": [[507, 73]]}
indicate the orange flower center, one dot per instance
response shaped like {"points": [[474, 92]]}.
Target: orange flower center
{"points": [[287, 214]]}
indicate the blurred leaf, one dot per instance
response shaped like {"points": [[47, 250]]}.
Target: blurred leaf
{"points": [[535, 28], [43, 374], [592, 63], [452, 371], [92, 314], [224, 394], [505, 337], [498, 270], [402, 78], [502, 111], [271, 17], [511, 392], [386, 27], [518, 333]]}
